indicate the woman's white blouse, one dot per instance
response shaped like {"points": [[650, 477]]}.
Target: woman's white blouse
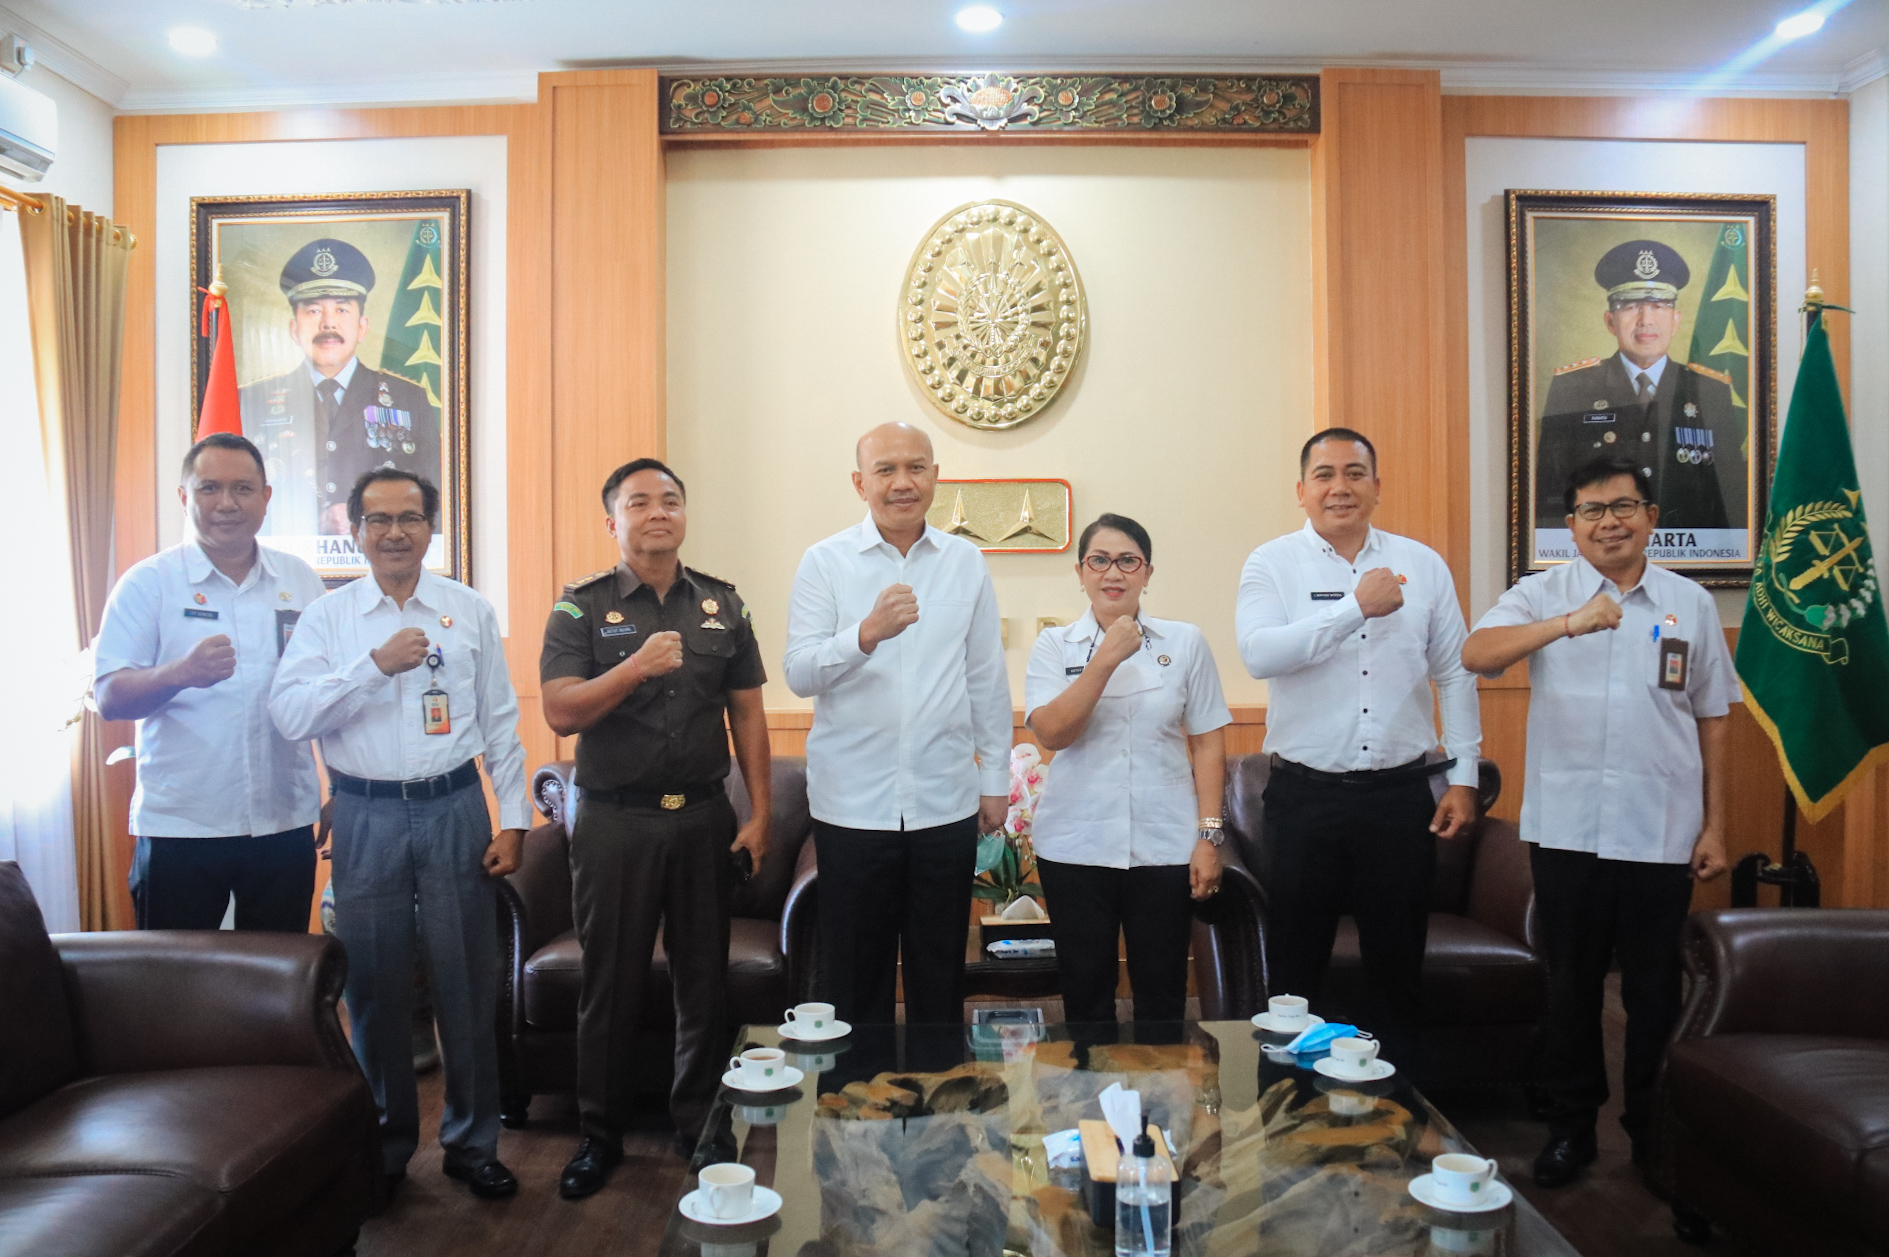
{"points": [[1122, 795]]}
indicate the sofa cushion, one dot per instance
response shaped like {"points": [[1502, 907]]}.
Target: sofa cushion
{"points": [[105, 1215], [38, 1050], [554, 977], [265, 1137], [1808, 1114], [1472, 975]]}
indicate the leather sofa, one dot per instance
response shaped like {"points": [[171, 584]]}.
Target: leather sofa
{"points": [[1776, 1088], [771, 946], [172, 1093], [1484, 981]]}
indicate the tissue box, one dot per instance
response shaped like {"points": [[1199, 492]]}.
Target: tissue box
{"points": [[1101, 1155]]}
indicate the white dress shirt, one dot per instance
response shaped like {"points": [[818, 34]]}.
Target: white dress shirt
{"points": [[909, 736], [1122, 795], [1613, 759], [1653, 372], [370, 724], [1350, 694], [210, 762]]}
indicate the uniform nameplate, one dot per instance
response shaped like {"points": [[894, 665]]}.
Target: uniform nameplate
{"points": [[1075, 671], [617, 630], [199, 613], [1328, 595], [1605, 416]]}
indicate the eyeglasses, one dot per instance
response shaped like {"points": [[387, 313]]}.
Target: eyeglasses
{"points": [[410, 521], [1622, 508], [1128, 563]]}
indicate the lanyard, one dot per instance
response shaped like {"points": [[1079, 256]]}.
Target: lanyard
{"points": [[435, 709], [1098, 637]]}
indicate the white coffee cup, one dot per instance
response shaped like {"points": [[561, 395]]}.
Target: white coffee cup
{"points": [[813, 1062], [812, 1018], [761, 1114], [1289, 1012], [761, 1068], [1354, 1056], [1351, 1104], [1456, 1178], [1442, 1240], [727, 1189]]}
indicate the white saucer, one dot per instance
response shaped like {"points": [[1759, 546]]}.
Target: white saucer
{"points": [[787, 1030], [1499, 1195], [767, 1203], [1264, 1022], [1332, 1069], [790, 1077]]}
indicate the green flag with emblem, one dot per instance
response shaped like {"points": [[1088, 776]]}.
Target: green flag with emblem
{"points": [[415, 326], [1721, 331], [1813, 654]]}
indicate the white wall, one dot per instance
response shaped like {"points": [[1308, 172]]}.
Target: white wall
{"points": [[1185, 412], [1494, 165], [332, 166], [1869, 297], [82, 170]]}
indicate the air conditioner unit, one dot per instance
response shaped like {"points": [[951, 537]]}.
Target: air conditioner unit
{"points": [[29, 131]]}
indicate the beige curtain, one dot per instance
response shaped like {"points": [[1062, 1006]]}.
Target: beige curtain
{"points": [[75, 289]]}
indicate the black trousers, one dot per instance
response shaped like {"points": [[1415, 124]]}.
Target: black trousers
{"points": [[1591, 911], [634, 870], [186, 883], [1367, 851], [892, 894], [1090, 907]]}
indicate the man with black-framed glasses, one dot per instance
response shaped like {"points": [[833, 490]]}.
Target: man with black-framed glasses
{"points": [[1623, 798]]}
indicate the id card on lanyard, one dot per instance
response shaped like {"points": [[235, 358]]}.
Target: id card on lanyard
{"points": [[436, 712]]}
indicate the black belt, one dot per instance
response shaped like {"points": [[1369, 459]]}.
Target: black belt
{"points": [[667, 800], [1366, 779], [467, 774]]}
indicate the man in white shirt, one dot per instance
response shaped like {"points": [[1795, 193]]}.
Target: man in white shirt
{"points": [[1351, 626], [1629, 685], [411, 828], [224, 805], [893, 632]]}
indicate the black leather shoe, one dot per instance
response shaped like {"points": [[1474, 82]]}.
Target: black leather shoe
{"points": [[1563, 1156], [488, 1180], [589, 1170]]}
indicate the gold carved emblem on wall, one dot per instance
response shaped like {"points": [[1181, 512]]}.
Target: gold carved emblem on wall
{"points": [[1004, 516], [991, 316]]}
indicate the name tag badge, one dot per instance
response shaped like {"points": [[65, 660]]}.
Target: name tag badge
{"points": [[284, 629], [617, 630], [436, 711], [199, 613], [1074, 670], [1603, 416], [1328, 595], [1673, 656]]}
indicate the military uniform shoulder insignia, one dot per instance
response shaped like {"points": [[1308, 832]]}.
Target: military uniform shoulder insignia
{"points": [[583, 582], [569, 608], [1721, 376], [713, 580], [1576, 366]]}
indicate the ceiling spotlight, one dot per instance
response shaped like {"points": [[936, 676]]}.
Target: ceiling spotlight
{"points": [[193, 41], [1809, 22], [979, 19]]}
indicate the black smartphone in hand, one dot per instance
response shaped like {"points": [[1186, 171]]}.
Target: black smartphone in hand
{"points": [[743, 860]]}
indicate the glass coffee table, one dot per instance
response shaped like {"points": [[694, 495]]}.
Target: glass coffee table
{"points": [[909, 1140]]}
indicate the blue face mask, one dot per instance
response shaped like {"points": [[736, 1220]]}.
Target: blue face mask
{"points": [[1319, 1039]]}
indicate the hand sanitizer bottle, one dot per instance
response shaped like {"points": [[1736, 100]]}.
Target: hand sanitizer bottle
{"points": [[1143, 1196]]}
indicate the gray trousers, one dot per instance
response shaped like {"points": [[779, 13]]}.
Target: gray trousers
{"points": [[391, 855]]}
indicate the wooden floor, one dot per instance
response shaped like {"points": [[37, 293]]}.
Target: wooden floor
{"points": [[1608, 1213]]}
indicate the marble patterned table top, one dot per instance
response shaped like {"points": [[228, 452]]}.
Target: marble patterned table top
{"points": [[909, 1141]]}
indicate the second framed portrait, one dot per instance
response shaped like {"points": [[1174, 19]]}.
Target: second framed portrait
{"points": [[349, 320], [1643, 328]]}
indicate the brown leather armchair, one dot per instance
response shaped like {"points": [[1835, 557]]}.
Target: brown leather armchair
{"points": [[1483, 979], [176, 1093], [771, 944], [1777, 1081]]}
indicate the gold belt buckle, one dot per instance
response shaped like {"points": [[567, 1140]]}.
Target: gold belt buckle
{"points": [[673, 802]]}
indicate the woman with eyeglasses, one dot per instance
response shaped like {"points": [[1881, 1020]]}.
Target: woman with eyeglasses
{"points": [[1127, 831]]}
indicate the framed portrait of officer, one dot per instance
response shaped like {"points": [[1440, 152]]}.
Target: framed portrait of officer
{"points": [[348, 318], [1643, 327]]}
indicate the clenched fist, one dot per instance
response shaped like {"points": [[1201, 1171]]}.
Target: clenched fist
{"points": [[1379, 593], [211, 660], [895, 611], [1119, 643], [660, 655], [403, 652], [1599, 612]]}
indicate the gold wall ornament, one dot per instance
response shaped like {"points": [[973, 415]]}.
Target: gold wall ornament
{"points": [[991, 316], [1005, 516]]}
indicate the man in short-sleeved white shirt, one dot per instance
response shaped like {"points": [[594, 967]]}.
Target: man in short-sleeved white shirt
{"points": [[188, 648], [1629, 685]]}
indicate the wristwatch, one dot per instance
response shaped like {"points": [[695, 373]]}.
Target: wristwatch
{"points": [[1210, 831]]}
